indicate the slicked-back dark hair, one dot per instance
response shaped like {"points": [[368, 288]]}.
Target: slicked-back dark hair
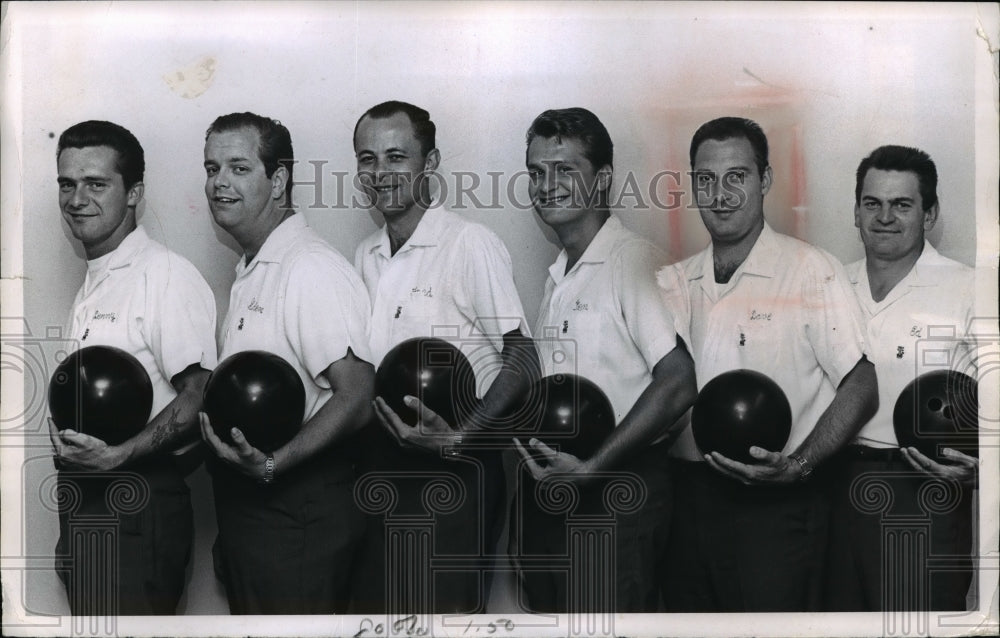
{"points": [[275, 147], [904, 159], [578, 124], [423, 128], [727, 128], [130, 161]]}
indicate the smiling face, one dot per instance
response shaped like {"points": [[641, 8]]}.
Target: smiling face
{"points": [[564, 186], [93, 199], [242, 198], [729, 190], [391, 164], [891, 215]]}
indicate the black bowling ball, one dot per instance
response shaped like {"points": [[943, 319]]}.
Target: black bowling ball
{"points": [[259, 393], [101, 391], [936, 410], [740, 409], [434, 371], [571, 414]]}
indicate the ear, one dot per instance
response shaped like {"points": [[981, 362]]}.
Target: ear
{"points": [[135, 194], [857, 216], [432, 161], [278, 181], [604, 176], [765, 181], [930, 217]]}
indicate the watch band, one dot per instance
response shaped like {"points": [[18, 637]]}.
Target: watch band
{"points": [[268, 470], [456, 447], [807, 468]]}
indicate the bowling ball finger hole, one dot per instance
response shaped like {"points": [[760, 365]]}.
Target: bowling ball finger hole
{"points": [[947, 412], [935, 404]]}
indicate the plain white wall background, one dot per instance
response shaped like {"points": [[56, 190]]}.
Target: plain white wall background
{"points": [[828, 84]]}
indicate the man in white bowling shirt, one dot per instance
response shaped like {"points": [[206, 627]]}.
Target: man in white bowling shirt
{"points": [[918, 306], [603, 317], [750, 537], [288, 523], [152, 303], [432, 273]]}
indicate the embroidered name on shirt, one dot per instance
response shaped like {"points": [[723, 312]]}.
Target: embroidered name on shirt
{"points": [[899, 352], [580, 306], [759, 316], [253, 306], [916, 331], [426, 292], [105, 316]]}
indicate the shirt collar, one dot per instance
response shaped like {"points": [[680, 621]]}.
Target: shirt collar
{"points": [[855, 270], [122, 256], [765, 256], [277, 243], [427, 233], [597, 252], [763, 259], [925, 271]]}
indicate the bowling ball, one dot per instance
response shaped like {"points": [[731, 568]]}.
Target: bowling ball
{"points": [[936, 410], [259, 393], [432, 370], [571, 414], [101, 391], [739, 409]]}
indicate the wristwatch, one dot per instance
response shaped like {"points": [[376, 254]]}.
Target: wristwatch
{"points": [[455, 449], [807, 468], [268, 470]]}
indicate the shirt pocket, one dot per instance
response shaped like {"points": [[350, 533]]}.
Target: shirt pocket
{"points": [[760, 342], [936, 342], [419, 314], [582, 334]]}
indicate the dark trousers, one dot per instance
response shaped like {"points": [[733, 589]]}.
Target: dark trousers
{"points": [[439, 526], [288, 547], [124, 540], [888, 520], [563, 550], [738, 548]]}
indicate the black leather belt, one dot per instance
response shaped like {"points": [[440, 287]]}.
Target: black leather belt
{"points": [[884, 454]]}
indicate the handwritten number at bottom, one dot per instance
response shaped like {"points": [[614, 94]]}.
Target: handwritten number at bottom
{"points": [[408, 627]]}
